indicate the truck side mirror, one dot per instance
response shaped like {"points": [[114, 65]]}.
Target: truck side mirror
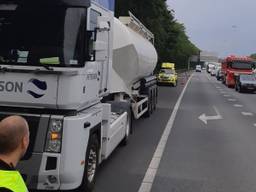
{"points": [[91, 37]]}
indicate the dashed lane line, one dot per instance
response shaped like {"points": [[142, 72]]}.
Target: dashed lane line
{"points": [[237, 105], [247, 113]]}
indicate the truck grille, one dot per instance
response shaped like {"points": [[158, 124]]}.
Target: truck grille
{"points": [[33, 122], [165, 78], [249, 85]]}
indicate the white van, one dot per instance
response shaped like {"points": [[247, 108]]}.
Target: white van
{"points": [[198, 68], [210, 67]]}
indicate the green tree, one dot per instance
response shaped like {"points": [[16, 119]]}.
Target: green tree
{"points": [[253, 56]]}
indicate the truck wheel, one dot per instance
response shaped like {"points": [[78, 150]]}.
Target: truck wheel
{"points": [[148, 112], [223, 80], [124, 142], [152, 101], [239, 89], [91, 165], [155, 98]]}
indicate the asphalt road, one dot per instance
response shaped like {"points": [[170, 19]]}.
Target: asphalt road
{"points": [[125, 169], [219, 156]]}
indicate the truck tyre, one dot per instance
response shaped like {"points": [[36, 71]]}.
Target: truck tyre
{"points": [[152, 100], [91, 165], [239, 89], [223, 80], [155, 98], [148, 112]]}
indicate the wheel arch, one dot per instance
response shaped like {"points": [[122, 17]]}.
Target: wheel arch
{"points": [[96, 130]]}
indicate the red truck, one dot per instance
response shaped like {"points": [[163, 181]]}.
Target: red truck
{"points": [[233, 66]]}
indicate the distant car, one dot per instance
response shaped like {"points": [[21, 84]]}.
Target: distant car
{"points": [[245, 82], [198, 68], [219, 74], [212, 71], [215, 69], [210, 67], [167, 77]]}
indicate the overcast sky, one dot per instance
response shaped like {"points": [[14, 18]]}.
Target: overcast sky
{"points": [[223, 26]]}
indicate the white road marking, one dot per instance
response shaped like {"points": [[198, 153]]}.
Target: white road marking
{"points": [[237, 105], [254, 124], [226, 95], [205, 118], [231, 99], [149, 177], [247, 113]]}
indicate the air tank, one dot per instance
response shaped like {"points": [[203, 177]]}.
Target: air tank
{"points": [[134, 56]]}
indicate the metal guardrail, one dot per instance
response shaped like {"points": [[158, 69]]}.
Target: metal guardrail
{"points": [[184, 73]]}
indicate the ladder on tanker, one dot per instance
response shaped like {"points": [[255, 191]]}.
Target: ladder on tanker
{"points": [[135, 24]]}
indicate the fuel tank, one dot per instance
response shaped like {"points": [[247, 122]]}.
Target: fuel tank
{"points": [[134, 56]]}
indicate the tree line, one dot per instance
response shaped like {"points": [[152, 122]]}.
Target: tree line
{"points": [[171, 41], [253, 56]]}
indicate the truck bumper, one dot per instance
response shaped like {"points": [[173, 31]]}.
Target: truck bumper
{"points": [[42, 172], [166, 82]]}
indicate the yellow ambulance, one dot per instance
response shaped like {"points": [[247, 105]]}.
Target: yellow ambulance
{"points": [[167, 74]]}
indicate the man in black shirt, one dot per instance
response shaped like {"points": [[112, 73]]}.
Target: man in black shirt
{"points": [[14, 141]]}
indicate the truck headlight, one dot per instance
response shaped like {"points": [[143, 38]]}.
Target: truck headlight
{"points": [[54, 136]]}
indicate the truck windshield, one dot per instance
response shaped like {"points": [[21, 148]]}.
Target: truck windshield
{"points": [[167, 71], [41, 35], [248, 77], [242, 65]]}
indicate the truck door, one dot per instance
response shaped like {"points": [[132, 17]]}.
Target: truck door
{"points": [[102, 47]]}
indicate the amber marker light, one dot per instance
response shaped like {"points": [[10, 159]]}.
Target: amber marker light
{"points": [[55, 136]]}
